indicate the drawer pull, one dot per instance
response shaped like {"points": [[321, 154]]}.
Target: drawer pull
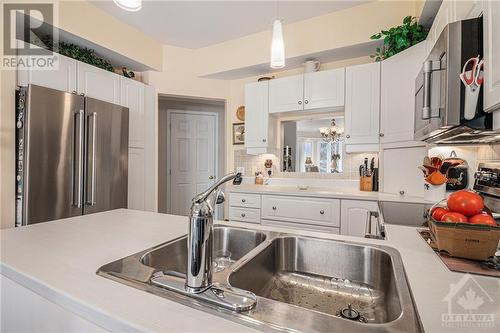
{"points": [[274, 207], [322, 212], [243, 214], [243, 200]]}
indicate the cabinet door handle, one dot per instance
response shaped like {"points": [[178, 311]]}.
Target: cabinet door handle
{"points": [[264, 140], [243, 214], [274, 207], [243, 200], [306, 101], [402, 192], [300, 102], [348, 136], [381, 134], [322, 212]]}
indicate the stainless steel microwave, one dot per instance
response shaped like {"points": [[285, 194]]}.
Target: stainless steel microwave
{"points": [[449, 110]]}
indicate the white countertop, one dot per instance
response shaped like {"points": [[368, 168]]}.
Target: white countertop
{"points": [[325, 192], [58, 260]]}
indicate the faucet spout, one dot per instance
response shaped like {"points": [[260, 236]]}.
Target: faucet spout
{"points": [[200, 238]]}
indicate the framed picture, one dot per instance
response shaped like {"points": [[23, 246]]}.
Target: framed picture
{"points": [[238, 133]]}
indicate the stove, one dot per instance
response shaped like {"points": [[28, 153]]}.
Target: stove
{"points": [[487, 184]]}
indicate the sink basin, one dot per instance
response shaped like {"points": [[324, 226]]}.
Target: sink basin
{"points": [[324, 276], [302, 284], [172, 257]]}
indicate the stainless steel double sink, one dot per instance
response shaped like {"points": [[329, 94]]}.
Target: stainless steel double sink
{"points": [[302, 283]]}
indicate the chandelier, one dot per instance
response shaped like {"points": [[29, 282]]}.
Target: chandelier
{"points": [[332, 133]]}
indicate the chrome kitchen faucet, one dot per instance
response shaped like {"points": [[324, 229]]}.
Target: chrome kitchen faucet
{"points": [[200, 242], [201, 236]]}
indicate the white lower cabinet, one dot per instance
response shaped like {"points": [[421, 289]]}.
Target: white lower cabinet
{"points": [[304, 210], [136, 178], [354, 215], [335, 216], [249, 215], [491, 34]]}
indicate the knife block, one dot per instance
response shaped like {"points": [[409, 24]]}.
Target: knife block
{"points": [[366, 183]]}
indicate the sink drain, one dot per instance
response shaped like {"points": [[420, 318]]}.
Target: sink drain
{"points": [[351, 314]]}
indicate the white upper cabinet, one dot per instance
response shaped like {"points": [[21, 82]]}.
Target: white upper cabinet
{"points": [[257, 120], [354, 216], [132, 96], [397, 94], [445, 15], [491, 32], [324, 89], [286, 94], [62, 78], [362, 104], [98, 83]]}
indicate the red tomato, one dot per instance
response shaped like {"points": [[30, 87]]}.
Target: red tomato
{"points": [[454, 218], [483, 218], [438, 212], [466, 203]]}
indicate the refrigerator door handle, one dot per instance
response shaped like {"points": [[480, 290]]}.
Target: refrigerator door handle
{"points": [[78, 159], [92, 159]]}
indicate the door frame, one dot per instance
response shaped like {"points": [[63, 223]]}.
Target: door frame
{"points": [[169, 149]]}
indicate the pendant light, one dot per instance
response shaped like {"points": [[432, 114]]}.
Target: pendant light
{"points": [[129, 5], [277, 43]]}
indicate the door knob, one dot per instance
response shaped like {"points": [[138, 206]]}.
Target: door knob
{"points": [[348, 136], [211, 177], [300, 102], [264, 140], [243, 214], [322, 212], [274, 207], [306, 101], [381, 134]]}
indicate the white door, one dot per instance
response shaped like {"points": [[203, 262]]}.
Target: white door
{"points": [[362, 104], [324, 89], [397, 94], [354, 216], [98, 83], [63, 78], [192, 158], [491, 32], [132, 96], [286, 94], [256, 114]]}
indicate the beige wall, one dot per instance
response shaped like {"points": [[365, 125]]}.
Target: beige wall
{"points": [[87, 21], [338, 29]]}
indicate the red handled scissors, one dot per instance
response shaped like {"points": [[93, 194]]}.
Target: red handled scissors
{"points": [[472, 73]]}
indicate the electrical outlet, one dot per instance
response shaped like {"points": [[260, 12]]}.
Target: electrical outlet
{"points": [[241, 170]]}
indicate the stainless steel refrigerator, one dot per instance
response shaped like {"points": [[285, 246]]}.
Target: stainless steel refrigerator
{"points": [[72, 155]]}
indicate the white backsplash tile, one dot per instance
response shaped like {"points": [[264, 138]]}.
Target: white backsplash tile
{"points": [[256, 162]]}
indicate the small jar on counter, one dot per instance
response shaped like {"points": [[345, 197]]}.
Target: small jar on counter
{"points": [[259, 178]]}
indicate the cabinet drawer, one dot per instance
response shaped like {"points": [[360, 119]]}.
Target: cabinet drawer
{"points": [[301, 226], [250, 215], [244, 200], [303, 210]]}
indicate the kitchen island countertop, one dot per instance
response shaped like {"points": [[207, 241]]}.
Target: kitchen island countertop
{"points": [[58, 261]]}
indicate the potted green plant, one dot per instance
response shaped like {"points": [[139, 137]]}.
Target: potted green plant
{"points": [[399, 38]]}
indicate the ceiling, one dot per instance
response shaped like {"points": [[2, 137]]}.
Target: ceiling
{"points": [[196, 24]]}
